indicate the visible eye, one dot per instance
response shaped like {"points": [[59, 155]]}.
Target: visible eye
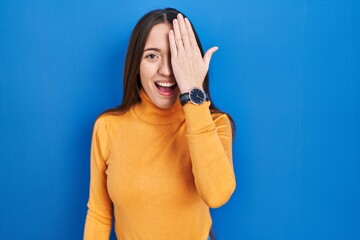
{"points": [[151, 56]]}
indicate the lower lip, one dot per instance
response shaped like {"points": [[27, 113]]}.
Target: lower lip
{"points": [[167, 93]]}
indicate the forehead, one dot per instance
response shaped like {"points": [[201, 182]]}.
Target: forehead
{"points": [[158, 35]]}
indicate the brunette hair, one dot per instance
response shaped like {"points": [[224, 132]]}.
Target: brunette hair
{"points": [[132, 83]]}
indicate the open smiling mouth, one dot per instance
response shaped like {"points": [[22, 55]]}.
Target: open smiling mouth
{"points": [[166, 88]]}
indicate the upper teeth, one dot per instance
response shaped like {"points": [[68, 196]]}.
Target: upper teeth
{"points": [[166, 84]]}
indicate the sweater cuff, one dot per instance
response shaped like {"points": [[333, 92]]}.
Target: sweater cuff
{"points": [[198, 117]]}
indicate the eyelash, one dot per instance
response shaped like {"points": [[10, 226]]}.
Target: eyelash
{"points": [[151, 56]]}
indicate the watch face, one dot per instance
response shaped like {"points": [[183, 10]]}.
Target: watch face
{"points": [[197, 96]]}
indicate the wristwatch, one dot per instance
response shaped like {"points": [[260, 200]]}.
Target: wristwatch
{"points": [[196, 96]]}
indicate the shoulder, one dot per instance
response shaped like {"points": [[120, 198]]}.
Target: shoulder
{"points": [[108, 123], [109, 119], [104, 122], [100, 126], [103, 119]]}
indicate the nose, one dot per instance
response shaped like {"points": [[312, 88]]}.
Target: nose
{"points": [[166, 68]]}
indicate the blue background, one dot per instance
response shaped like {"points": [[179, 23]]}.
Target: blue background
{"points": [[287, 71]]}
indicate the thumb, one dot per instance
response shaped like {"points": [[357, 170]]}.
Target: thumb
{"points": [[208, 54]]}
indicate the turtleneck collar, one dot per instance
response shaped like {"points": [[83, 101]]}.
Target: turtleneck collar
{"points": [[148, 112]]}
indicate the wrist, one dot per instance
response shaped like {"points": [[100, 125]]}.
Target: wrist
{"points": [[196, 96], [188, 88]]}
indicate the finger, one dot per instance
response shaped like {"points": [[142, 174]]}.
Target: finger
{"points": [[173, 49], [208, 55], [183, 30], [191, 34], [177, 35]]}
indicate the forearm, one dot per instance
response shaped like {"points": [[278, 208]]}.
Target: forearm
{"points": [[210, 150], [97, 227]]}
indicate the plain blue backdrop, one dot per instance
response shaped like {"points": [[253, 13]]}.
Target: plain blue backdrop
{"points": [[287, 71]]}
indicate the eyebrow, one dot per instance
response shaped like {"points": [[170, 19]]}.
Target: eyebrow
{"points": [[152, 49]]}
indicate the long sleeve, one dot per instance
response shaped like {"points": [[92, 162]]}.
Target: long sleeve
{"points": [[99, 215], [210, 145]]}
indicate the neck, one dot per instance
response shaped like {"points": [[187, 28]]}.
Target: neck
{"points": [[148, 112]]}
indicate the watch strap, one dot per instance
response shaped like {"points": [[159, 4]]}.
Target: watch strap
{"points": [[184, 98]]}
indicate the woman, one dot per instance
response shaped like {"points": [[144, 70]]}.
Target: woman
{"points": [[162, 158]]}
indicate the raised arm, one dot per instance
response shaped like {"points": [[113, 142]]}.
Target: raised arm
{"points": [[209, 138], [210, 145]]}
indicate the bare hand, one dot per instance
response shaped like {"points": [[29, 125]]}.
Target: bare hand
{"points": [[189, 67]]}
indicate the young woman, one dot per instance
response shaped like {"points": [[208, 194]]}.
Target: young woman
{"points": [[162, 158]]}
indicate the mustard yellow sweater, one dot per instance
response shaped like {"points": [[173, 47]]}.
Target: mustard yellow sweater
{"points": [[158, 171]]}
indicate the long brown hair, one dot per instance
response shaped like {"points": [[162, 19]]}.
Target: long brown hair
{"points": [[132, 84]]}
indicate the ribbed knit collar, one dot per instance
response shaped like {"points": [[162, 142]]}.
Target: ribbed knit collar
{"points": [[148, 112]]}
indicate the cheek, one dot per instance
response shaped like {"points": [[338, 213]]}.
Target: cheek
{"points": [[142, 68], [147, 71]]}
